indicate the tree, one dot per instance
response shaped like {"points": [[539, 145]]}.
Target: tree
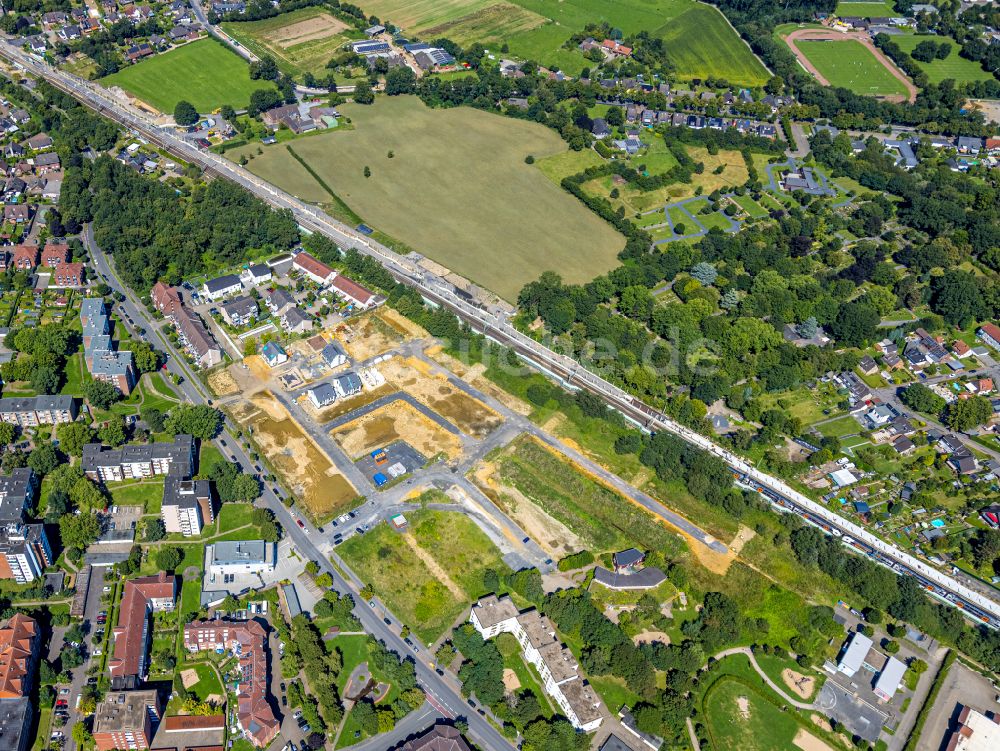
{"points": [[184, 113], [113, 433], [43, 459], [401, 80], [168, 558], [856, 324], [79, 530], [73, 436], [198, 420], [87, 496], [261, 100], [81, 736], [363, 93], [7, 434], [102, 394], [154, 530], [615, 117], [264, 69], [919, 397], [154, 419], [918, 666], [957, 297], [705, 273], [965, 414], [45, 381], [367, 171]]}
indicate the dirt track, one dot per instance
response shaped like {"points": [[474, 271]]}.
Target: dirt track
{"points": [[819, 35]]}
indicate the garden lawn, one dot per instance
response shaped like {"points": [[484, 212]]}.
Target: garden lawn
{"points": [[190, 596], [444, 555], [147, 493], [849, 64], [954, 66], [233, 516], [559, 166], [204, 73], [865, 9], [210, 456], [739, 717], [457, 190], [750, 206], [354, 651], [208, 682]]}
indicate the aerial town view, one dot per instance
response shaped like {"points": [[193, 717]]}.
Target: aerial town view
{"points": [[495, 375]]}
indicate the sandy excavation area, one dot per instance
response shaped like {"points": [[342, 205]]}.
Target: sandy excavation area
{"points": [[554, 537], [466, 413], [303, 466], [809, 742], [371, 335], [474, 375], [222, 383], [396, 421]]}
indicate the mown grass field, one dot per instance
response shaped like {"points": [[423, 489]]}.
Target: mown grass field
{"points": [[865, 9], [954, 66], [301, 41], [204, 73], [444, 555], [701, 43], [849, 64], [457, 189], [739, 717]]}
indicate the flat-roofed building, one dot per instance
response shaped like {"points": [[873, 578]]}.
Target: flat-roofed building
{"points": [[240, 557], [24, 552], [16, 716], [889, 679], [29, 411], [853, 656], [975, 731], [126, 720], [17, 494], [187, 505], [146, 460]]}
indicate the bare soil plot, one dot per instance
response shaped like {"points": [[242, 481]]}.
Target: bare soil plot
{"points": [[302, 464], [222, 383], [370, 336], [475, 376], [469, 415], [809, 742], [396, 421], [306, 30]]}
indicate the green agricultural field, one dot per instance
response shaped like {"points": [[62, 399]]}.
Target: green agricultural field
{"points": [[865, 9], [301, 41], [701, 42], [204, 73], [457, 190], [954, 66], [849, 64], [444, 555]]}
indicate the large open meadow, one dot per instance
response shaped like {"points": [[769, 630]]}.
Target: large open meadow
{"points": [[954, 66], [701, 42], [204, 73], [301, 41], [850, 64], [456, 189]]}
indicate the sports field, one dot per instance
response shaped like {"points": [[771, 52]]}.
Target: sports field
{"points": [[701, 42], [457, 190], [204, 73], [954, 66], [850, 64], [301, 41], [865, 10]]}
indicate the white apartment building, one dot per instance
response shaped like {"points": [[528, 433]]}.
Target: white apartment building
{"points": [[560, 672]]}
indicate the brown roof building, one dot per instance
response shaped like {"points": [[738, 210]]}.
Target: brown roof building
{"points": [[353, 292], [55, 253], [129, 661], [67, 275], [315, 270], [246, 640], [438, 738], [18, 650], [24, 257], [166, 299]]}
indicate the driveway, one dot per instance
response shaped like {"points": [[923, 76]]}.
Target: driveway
{"points": [[91, 609]]}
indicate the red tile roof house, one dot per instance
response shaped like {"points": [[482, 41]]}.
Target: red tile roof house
{"points": [[25, 257], [67, 275], [166, 299], [246, 639], [129, 661], [352, 292], [19, 642], [55, 253], [318, 272], [990, 335]]}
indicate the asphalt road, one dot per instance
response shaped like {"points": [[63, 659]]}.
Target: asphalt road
{"points": [[442, 692], [494, 325]]}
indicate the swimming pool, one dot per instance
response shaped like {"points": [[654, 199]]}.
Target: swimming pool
{"points": [[937, 523]]}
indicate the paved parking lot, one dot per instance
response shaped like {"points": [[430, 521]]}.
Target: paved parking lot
{"points": [[397, 452], [858, 717], [960, 686]]}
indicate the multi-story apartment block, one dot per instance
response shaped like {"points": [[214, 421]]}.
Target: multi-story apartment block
{"points": [[28, 411], [560, 672], [128, 664], [17, 492], [24, 552], [126, 720], [148, 460], [187, 505], [20, 640]]}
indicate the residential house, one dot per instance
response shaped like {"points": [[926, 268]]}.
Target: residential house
{"points": [[989, 334], [279, 300], [333, 355], [240, 311], [220, 287], [128, 664], [166, 299], [67, 275], [24, 257], [599, 128], [313, 269], [273, 354], [256, 274], [55, 253], [347, 384], [196, 339], [20, 642], [295, 321], [322, 395]]}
